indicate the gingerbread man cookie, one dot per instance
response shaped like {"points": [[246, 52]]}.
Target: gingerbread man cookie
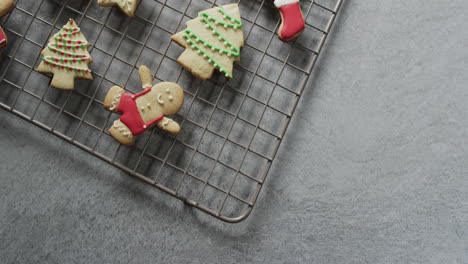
{"points": [[143, 110], [5, 7], [212, 41], [292, 20], [127, 6], [66, 57]]}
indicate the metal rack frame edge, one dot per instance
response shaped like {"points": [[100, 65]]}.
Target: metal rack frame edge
{"points": [[190, 202]]}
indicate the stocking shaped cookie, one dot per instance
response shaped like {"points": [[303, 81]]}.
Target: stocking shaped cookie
{"points": [[66, 57], [127, 6], [212, 41], [292, 20], [145, 109], [5, 7]]}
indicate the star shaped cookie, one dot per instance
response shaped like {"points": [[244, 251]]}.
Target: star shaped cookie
{"points": [[127, 6]]}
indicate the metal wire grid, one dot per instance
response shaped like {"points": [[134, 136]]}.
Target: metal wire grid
{"points": [[231, 130]]}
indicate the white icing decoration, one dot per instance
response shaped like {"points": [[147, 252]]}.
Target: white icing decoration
{"points": [[171, 98], [165, 123], [129, 7], [122, 129], [160, 101], [116, 100], [280, 3]]}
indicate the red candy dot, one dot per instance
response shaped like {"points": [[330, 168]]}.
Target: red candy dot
{"points": [[62, 67]]}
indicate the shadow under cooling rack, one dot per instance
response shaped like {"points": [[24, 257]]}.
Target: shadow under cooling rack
{"points": [[231, 130]]}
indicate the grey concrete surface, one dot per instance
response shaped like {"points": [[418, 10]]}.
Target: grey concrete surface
{"points": [[373, 168]]}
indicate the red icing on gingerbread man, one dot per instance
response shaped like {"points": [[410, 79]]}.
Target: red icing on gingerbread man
{"points": [[131, 116], [292, 19]]}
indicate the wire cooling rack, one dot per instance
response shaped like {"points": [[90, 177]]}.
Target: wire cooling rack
{"points": [[231, 130]]}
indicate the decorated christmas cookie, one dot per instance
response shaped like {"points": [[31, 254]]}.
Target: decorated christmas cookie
{"points": [[3, 38], [292, 19], [127, 6], [6, 6], [145, 109], [212, 41], [66, 56]]}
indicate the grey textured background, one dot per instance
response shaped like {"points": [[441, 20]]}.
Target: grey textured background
{"points": [[373, 168]]}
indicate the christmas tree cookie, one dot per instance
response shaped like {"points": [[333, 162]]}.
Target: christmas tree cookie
{"points": [[127, 6], [212, 41], [145, 109], [66, 57]]}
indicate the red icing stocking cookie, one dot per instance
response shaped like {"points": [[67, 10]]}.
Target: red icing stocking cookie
{"points": [[142, 110], [292, 19], [5, 7], [3, 39]]}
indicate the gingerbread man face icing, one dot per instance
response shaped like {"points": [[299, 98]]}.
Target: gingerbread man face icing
{"points": [[143, 110], [127, 6]]}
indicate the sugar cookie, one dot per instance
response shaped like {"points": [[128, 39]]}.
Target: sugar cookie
{"points": [[127, 6], [5, 7], [145, 109], [212, 41], [292, 20], [66, 57], [3, 38]]}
